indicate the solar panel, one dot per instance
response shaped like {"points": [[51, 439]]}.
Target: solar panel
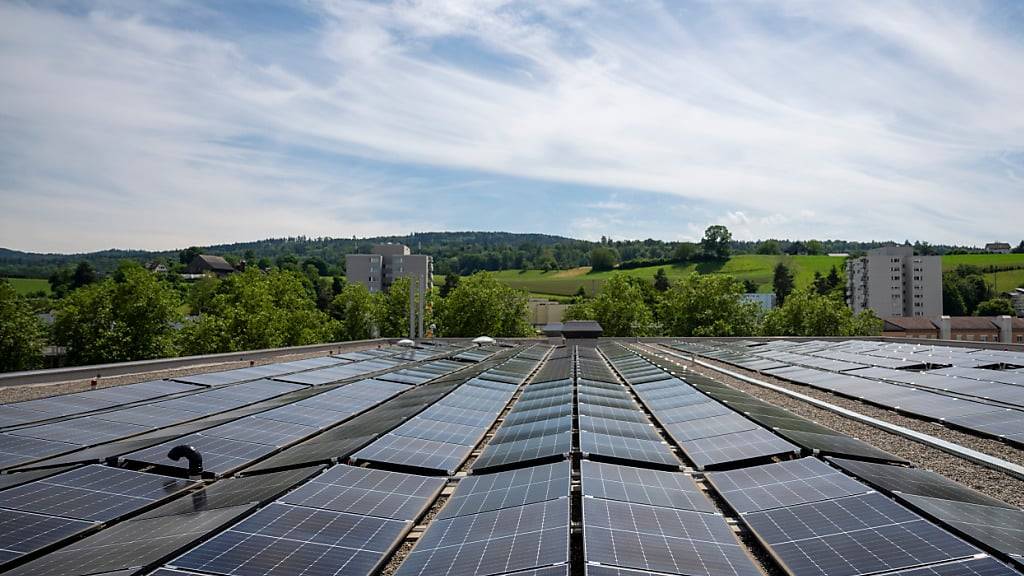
{"points": [[642, 486], [627, 414], [368, 492], [519, 451], [854, 535], [220, 455], [415, 453], [999, 528], [25, 532], [15, 450], [661, 539], [837, 444], [735, 447], [618, 427], [627, 448], [987, 566], [524, 416], [230, 492], [97, 493], [440, 431], [708, 427], [783, 484], [914, 481], [262, 430], [155, 415], [511, 433], [130, 544], [481, 493], [493, 542], [284, 539]]}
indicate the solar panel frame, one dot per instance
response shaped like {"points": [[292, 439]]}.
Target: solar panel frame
{"points": [[665, 540], [284, 539], [91, 493], [642, 486], [368, 492], [493, 542], [853, 535]]}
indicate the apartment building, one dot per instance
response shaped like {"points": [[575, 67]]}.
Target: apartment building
{"points": [[387, 263], [892, 281]]}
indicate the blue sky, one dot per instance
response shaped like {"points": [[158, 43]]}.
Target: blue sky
{"points": [[166, 123]]}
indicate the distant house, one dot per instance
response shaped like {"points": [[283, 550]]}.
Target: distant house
{"points": [[997, 248], [910, 327], [207, 264], [156, 268]]}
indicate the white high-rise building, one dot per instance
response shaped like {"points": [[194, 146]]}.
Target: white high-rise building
{"points": [[388, 262], [892, 281]]}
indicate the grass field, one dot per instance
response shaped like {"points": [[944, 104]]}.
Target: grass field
{"points": [[1004, 260], [756, 268], [29, 285]]}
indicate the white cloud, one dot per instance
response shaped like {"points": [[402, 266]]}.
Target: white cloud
{"points": [[862, 120]]}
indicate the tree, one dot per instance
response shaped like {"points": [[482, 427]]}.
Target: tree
{"points": [[354, 308], [602, 259], [189, 254], [749, 287], [716, 242], [807, 313], [796, 249], [833, 280], [709, 305], [782, 283], [814, 248], [996, 307], [769, 247], [480, 305], [1019, 249], [620, 309], [661, 281], [129, 316], [254, 310], [391, 310], [684, 251], [201, 294], [451, 281], [22, 334], [84, 275], [952, 301], [820, 283]]}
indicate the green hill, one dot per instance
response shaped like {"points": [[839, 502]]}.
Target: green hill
{"points": [[756, 268]]}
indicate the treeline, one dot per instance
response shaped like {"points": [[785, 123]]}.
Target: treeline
{"points": [[462, 253], [714, 305], [134, 314]]}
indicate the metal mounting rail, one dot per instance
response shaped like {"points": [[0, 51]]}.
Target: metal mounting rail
{"points": [[987, 460]]}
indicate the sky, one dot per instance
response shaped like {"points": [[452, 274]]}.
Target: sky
{"points": [[167, 123]]}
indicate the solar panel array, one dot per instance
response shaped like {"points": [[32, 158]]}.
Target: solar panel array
{"points": [[41, 513], [346, 520], [987, 521], [708, 432], [439, 439], [611, 423], [811, 436], [622, 505], [539, 424], [498, 524], [962, 389], [818, 521]]}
